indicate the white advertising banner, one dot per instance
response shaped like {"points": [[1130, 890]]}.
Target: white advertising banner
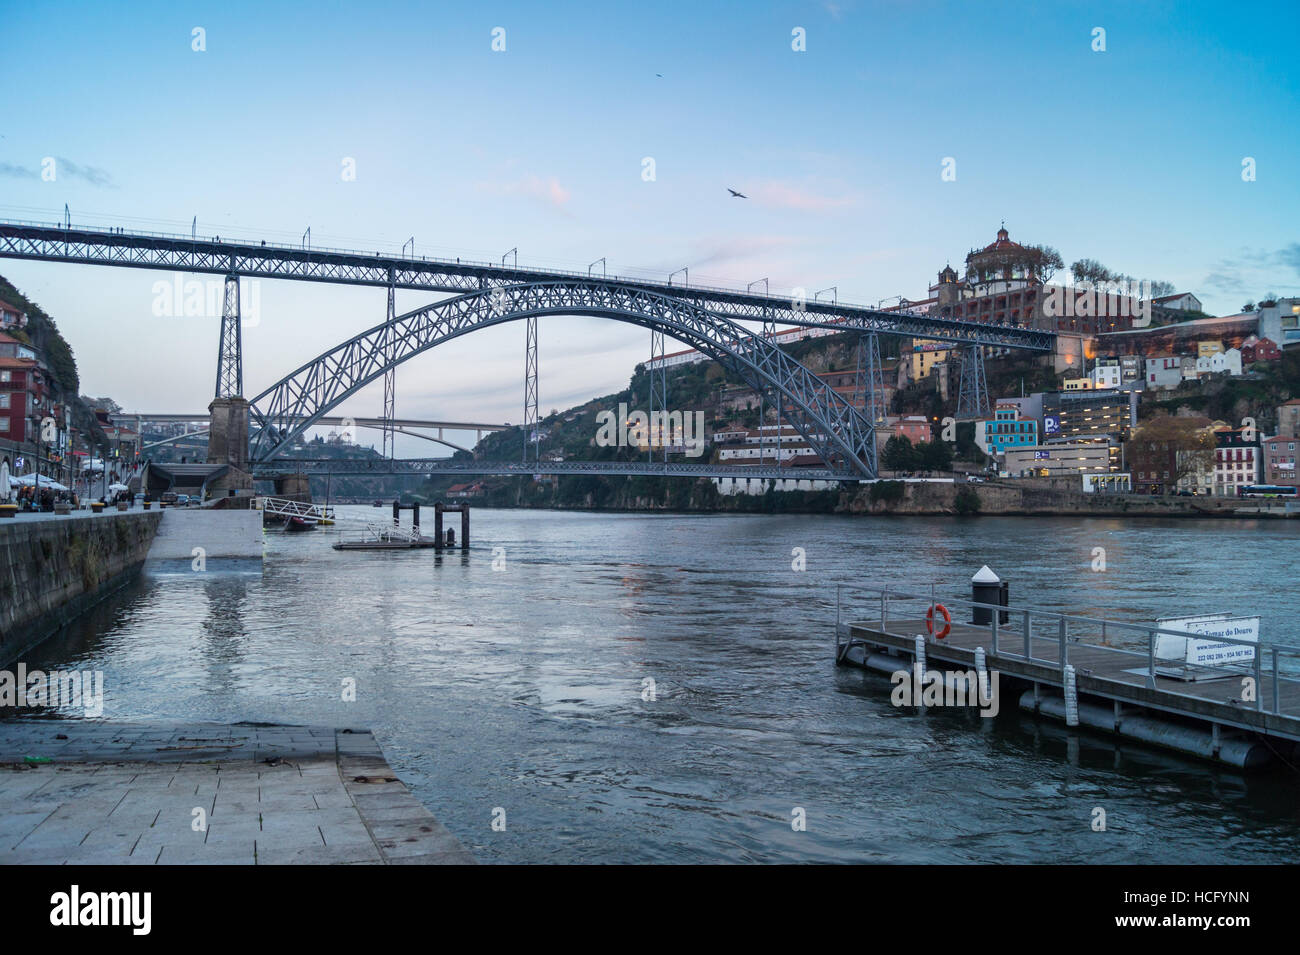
{"points": [[1211, 650]]}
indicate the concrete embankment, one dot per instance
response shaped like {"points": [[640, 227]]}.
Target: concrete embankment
{"points": [[1027, 498], [190, 534], [53, 567], [94, 793]]}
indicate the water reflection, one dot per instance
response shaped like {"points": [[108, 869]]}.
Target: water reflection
{"points": [[224, 647], [523, 687]]}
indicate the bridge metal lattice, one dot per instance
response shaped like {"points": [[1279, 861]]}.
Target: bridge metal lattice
{"points": [[973, 389], [869, 383], [832, 427], [390, 382], [377, 466], [658, 373], [532, 410], [51, 242], [230, 358]]}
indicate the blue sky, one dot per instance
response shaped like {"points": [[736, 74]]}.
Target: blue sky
{"points": [[1131, 156]]}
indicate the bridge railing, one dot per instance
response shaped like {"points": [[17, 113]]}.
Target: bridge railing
{"points": [[1027, 626], [784, 297], [290, 508]]}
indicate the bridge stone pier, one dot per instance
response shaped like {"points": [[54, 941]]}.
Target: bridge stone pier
{"points": [[228, 443], [293, 487]]}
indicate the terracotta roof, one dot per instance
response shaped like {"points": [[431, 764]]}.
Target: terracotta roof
{"points": [[803, 461], [1003, 243]]}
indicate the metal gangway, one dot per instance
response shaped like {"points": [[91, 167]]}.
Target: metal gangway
{"points": [[284, 507]]}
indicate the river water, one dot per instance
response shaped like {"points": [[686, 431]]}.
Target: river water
{"points": [[521, 688]]}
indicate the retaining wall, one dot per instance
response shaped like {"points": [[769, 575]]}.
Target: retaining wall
{"points": [[52, 570]]}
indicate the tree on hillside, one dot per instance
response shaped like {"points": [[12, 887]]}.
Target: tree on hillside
{"points": [[1091, 272], [934, 455], [1045, 261], [1177, 444], [899, 455]]}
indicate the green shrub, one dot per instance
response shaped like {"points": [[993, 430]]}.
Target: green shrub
{"points": [[887, 491]]}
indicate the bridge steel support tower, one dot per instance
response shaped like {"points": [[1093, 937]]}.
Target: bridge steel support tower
{"points": [[769, 335], [228, 412], [869, 387], [658, 393], [230, 357], [532, 422], [973, 391], [390, 379]]}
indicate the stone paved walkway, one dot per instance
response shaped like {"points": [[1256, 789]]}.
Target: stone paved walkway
{"points": [[127, 794]]}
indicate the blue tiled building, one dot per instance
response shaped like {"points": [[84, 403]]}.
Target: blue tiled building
{"points": [[1006, 430]]}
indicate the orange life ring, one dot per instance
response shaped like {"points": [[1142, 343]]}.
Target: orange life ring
{"points": [[947, 621]]}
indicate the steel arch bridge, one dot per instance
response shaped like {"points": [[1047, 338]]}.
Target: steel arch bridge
{"points": [[236, 257], [832, 426], [704, 317]]}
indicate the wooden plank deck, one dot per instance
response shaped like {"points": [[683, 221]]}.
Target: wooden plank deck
{"points": [[1101, 672]]}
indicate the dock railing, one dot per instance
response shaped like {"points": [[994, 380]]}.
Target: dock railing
{"points": [[286, 507], [1027, 625]]}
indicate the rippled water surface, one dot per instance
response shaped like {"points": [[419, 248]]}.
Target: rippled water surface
{"points": [[522, 688]]}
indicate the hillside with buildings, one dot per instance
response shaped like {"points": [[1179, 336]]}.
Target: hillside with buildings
{"points": [[39, 382], [1088, 418]]}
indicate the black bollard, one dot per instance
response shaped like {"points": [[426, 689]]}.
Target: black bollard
{"points": [[988, 588]]}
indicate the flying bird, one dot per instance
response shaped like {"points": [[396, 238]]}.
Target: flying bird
{"points": [[735, 194]]}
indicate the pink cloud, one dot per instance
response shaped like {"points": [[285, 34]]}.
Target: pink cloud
{"points": [[786, 195], [533, 187]]}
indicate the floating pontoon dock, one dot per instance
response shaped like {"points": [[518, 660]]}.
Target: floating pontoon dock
{"points": [[1097, 673], [383, 537], [395, 537]]}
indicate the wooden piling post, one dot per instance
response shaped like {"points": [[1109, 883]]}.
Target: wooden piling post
{"points": [[464, 526]]}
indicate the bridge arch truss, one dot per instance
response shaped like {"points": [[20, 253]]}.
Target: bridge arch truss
{"points": [[832, 426]]}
